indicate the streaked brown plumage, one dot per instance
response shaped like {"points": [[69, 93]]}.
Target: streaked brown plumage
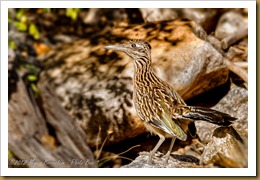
{"points": [[160, 107]]}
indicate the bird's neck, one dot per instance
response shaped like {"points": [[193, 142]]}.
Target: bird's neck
{"points": [[142, 64], [143, 70]]}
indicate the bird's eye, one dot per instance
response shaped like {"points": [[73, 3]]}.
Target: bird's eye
{"points": [[133, 45]]}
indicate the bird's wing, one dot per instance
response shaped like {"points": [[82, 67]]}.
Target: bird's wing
{"points": [[164, 101]]}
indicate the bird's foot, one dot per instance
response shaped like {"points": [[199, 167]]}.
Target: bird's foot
{"points": [[166, 156]]}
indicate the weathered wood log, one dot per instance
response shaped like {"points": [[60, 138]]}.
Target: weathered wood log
{"points": [[42, 134]]}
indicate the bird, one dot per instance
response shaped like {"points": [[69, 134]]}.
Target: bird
{"points": [[159, 106]]}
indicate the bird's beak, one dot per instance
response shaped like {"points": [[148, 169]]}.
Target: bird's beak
{"points": [[116, 47]]}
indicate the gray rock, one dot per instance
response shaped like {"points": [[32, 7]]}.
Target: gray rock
{"points": [[206, 17], [227, 146], [158, 14], [234, 103], [226, 149], [158, 162]]}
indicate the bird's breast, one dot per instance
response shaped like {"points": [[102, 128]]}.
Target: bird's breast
{"points": [[146, 103]]}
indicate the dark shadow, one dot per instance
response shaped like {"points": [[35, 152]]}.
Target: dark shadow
{"points": [[186, 158], [211, 97]]}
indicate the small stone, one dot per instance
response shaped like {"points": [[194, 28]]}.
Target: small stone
{"points": [[229, 23]]}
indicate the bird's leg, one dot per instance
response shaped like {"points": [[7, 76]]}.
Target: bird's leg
{"points": [[167, 155], [162, 138]]}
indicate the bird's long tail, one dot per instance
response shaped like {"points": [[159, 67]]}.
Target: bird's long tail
{"points": [[206, 114]]}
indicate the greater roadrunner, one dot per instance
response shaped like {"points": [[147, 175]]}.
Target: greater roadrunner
{"points": [[160, 107]]}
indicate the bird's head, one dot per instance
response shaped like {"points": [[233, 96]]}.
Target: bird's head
{"points": [[136, 49]]}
